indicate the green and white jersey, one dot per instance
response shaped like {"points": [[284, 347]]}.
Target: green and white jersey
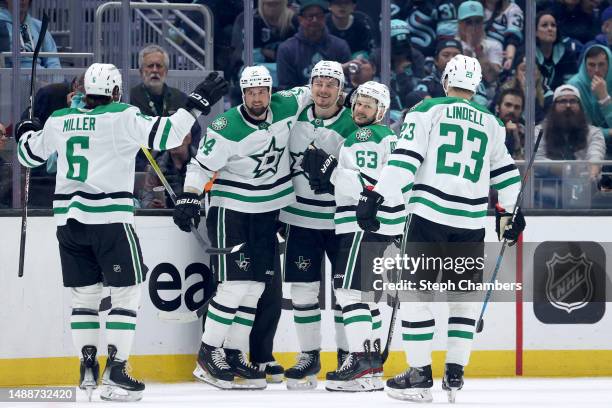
{"points": [[252, 161], [452, 150], [97, 156], [362, 158], [312, 210]]}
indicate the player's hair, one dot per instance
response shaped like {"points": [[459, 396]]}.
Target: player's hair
{"points": [[511, 91], [150, 49], [594, 51]]}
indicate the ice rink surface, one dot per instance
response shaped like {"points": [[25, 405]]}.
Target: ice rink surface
{"points": [[481, 393]]}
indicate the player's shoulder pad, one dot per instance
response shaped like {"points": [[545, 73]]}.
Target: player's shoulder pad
{"points": [[483, 109], [284, 103], [344, 124], [230, 126], [370, 133], [114, 107]]}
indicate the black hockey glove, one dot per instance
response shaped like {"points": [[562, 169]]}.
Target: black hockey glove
{"points": [[207, 93], [319, 167], [26, 126], [367, 207], [507, 229], [186, 211]]}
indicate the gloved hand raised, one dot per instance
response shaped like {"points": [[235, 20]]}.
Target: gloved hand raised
{"points": [[207, 93]]}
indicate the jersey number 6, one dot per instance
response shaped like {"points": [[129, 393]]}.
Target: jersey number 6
{"points": [[83, 142]]}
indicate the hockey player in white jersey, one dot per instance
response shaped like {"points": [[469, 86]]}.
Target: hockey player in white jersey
{"points": [[309, 221], [452, 150], [93, 206], [362, 157], [248, 148]]}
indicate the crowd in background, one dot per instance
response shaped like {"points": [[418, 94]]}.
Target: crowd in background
{"points": [[573, 79]]}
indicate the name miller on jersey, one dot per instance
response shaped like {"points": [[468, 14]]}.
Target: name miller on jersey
{"points": [[79, 123], [465, 113]]}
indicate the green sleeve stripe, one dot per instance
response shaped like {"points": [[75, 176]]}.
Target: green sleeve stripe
{"points": [[120, 326], [252, 199], [219, 319], [88, 208], [307, 319], [404, 165], [417, 337], [310, 214], [25, 159], [506, 183], [243, 321], [84, 325], [164, 136], [460, 333], [407, 188], [446, 210], [356, 319]]}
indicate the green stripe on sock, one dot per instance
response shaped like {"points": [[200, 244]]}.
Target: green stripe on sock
{"points": [[338, 319], [417, 337], [355, 319], [120, 326], [376, 325], [84, 325], [219, 319], [307, 319], [243, 321], [461, 333]]}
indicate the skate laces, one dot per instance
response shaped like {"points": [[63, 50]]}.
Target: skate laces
{"points": [[219, 359], [304, 361], [127, 369], [348, 362], [246, 363]]}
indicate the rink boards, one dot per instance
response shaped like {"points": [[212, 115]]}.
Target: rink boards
{"points": [[36, 345]]}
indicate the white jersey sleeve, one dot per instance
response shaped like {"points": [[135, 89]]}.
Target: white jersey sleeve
{"points": [[34, 148], [213, 153]]}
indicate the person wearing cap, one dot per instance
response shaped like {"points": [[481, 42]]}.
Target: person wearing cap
{"points": [[354, 27], [312, 43], [567, 136], [445, 51], [489, 53]]}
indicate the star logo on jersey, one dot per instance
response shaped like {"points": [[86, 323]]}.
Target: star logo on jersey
{"points": [[303, 263], [286, 94], [244, 262], [296, 163], [363, 134], [219, 124], [317, 122], [268, 161]]}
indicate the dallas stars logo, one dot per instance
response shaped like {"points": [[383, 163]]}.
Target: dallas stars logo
{"points": [[303, 263], [296, 163], [363, 134], [244, 262], [268, 161], [219, 124]]}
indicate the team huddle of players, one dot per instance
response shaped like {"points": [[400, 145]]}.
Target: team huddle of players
{"points": [[340, 181]]}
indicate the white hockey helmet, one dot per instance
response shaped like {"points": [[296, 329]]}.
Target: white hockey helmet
{"points": [[332, 69], [462, 72], [102, 79], [255, 76], [378, 91]]}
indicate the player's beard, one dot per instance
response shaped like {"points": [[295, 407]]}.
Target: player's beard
{"points": [[363, 120], [257, 111], [328, 103]]}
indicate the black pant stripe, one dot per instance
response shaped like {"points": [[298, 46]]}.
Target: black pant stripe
{"points": [[305, 308], [418, 325], [122, 312], [356, 306], [222, 308], [84, 312], [462, 320], [249, 310]]}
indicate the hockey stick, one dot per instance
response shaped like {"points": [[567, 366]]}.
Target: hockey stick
{"points": [[385, 353], [517, 204], [26, 182]]}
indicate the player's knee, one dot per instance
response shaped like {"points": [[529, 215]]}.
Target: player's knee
{"points": [[231, 293], [127, 297], [87, 297], [463, 309], [305, 293]]}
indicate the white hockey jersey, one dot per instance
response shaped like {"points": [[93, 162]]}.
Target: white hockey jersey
{"points": [[97, 156], [252, 161], [452, 150], [312, 210], [362, 158]]}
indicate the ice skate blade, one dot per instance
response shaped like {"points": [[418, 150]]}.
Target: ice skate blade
{"points": [[363, 384], [249, 384], [307, 383], [410, 394], [89, 389], [274, 378], [203, 375], [377, 383], [452, 394], [114, 393]]}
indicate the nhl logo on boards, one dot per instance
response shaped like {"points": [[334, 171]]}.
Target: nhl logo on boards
{"points": [[363, 134], [569, 285], [219, 123]]}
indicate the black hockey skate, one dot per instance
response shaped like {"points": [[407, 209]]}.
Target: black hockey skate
{"points": [[377, 366], [303, 375], [274, 372], [117, 384], [355, 374], [452, 380], [246, 375], [412, 385], [212, 368], [90, 370], [340, 357]]}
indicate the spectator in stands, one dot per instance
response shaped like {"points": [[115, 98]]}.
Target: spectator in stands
{"points": [[576, 19], [594, 81], [421, 17], [312, 43], [605, 37], [504, 23], [445, 51], [29, 31], [153, 96], [5, 170], [568, 135], [440, 17], [509, 109], [474, 41], [360, 70], [173, 164], [352, 26], [556, 57]]}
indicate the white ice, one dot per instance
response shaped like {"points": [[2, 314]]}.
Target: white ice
{"points": [[482, 393]]}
